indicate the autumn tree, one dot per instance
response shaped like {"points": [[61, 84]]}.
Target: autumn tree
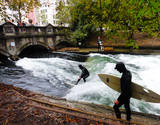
{"points": [[21, 7], [4, 16], [63, 13], [120, 18], [80, 13], [130, 16]]}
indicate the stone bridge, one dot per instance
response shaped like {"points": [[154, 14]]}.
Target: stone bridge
{"points": [[15, 39]]}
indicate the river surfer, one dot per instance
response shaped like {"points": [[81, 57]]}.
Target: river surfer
{"points": [[124, 98], [84, 74]]}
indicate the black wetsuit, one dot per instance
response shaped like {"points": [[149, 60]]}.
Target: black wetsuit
{"points": [[98, 43], [84, 74], [125, 95]]}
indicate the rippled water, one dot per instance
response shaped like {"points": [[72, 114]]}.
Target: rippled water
{"points": [[57, 75]]}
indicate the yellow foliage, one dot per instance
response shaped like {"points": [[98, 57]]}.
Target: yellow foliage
{"points": [[6, 122], [21, 6], [108, 49]]}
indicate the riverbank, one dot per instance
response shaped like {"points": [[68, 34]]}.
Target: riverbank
{"points": [[146, 45], [22, 107], [111, 50]]}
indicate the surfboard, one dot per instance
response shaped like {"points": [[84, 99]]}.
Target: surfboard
{"points": [[69, 85], [138, 92]]}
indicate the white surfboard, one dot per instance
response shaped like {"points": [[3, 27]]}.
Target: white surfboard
{"points": [[138, 92]]}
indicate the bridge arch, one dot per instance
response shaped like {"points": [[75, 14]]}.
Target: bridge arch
{"points": [[30, 48], [16, 39]]}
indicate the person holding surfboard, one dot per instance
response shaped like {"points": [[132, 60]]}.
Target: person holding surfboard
{"points": [[84, 74], [124, 98]]}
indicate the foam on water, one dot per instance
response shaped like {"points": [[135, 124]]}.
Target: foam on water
{"points": [[50, 67]]}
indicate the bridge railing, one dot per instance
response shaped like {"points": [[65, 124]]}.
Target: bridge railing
{"points": [[9, 29]]}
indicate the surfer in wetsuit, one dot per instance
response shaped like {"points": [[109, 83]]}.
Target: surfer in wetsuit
{"points": [[84, 73], [124, 98]]}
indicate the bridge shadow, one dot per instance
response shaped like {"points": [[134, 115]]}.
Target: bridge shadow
{"points": [[35, 51]]}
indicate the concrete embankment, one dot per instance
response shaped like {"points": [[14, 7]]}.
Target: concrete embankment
{"points": [[22, 107], [111, 50]]}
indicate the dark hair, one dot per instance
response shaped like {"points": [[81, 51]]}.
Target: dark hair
{"points": [[120, 65], [80, 66]]}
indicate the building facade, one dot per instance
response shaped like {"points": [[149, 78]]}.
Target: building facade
{"points": [[42, 16], [46, 14]]}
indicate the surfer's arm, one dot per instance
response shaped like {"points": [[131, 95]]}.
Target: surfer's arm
{"points": [[78, 80]]}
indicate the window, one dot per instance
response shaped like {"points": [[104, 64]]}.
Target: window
{"points": [[49, 29], [9, 29]]}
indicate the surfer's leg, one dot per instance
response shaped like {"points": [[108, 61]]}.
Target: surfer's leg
{"points": [[116, 109], [84, 79], [128, 110]]}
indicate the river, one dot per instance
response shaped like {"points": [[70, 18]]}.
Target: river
{"points": [[56, 75]]}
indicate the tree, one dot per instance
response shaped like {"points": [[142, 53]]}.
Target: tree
{"points": [[4, 16], [120, 18], [43, 17], [137, 15], [80, 19], [20, 7], [151, 17], [63, 13]]}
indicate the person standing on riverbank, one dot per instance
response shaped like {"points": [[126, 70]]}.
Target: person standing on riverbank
{"points": [[84, 74], [124, 98], [100, 44]]}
